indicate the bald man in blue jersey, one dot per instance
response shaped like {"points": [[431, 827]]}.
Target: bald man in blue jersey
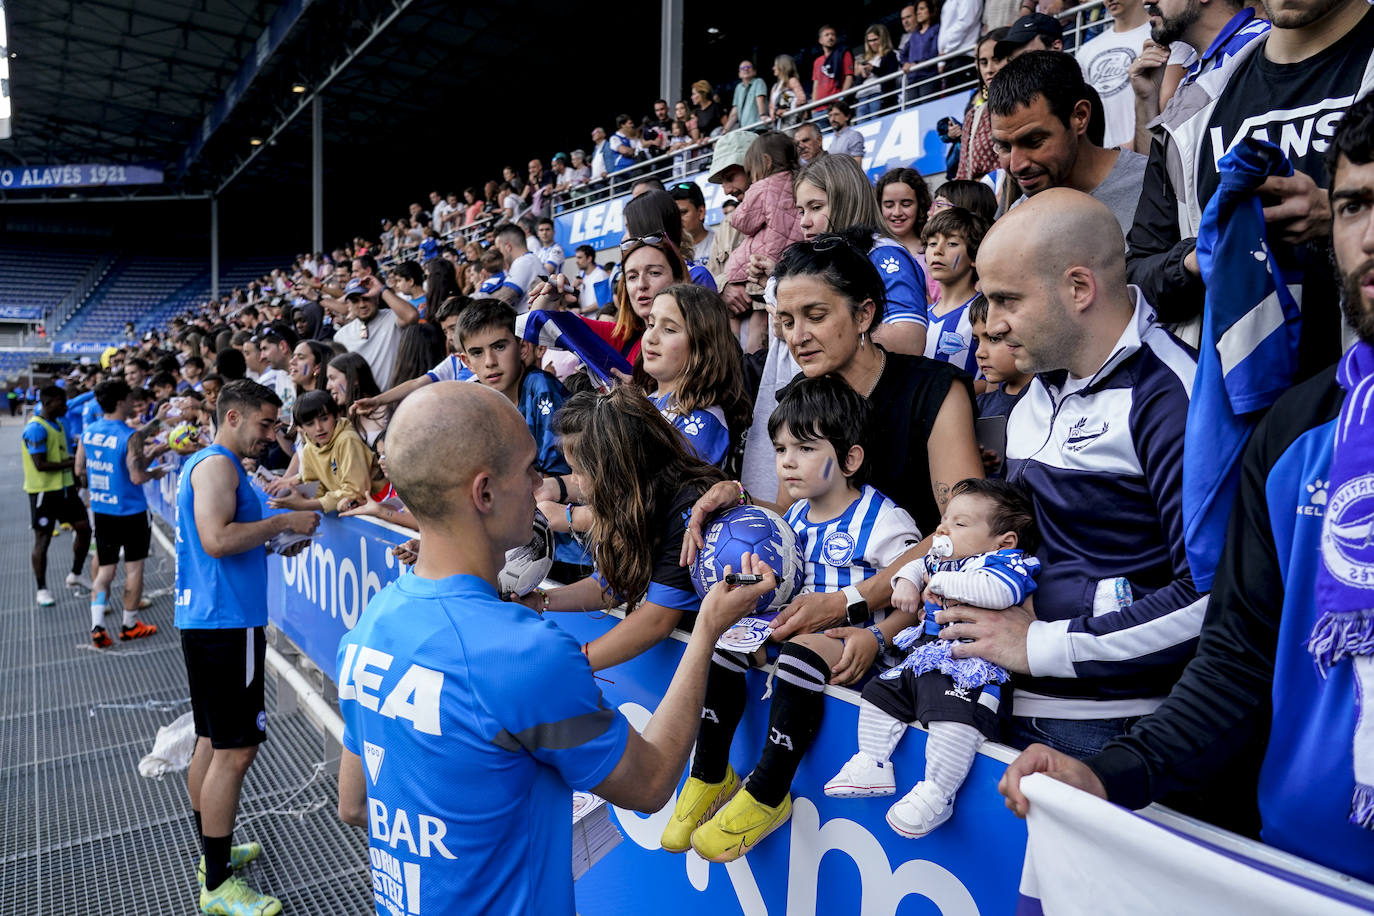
{"points": [[469, 720]]}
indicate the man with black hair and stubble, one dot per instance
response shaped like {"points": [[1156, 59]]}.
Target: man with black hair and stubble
{"points": [[1280, 664], [1288, 86], [221, 610], [1218, 27], [1041, 112]]}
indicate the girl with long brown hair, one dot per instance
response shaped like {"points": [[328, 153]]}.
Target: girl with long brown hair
{"points": [[691, 365], [638, 482]]}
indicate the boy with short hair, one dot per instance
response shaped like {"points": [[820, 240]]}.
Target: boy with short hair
{"points": [[1005, 386], [1006, 383], [501, 360], [952, 238], [980, 556], [847, 531], [495, 283]]}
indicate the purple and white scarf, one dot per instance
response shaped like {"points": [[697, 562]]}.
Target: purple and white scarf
{"points": [[1345, 579]]}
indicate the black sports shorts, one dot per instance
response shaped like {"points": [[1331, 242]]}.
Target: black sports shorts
{"points": [[224, 669], [129, 532]]}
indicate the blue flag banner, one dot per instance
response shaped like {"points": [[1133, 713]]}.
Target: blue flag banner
{"points": [[1249, 348], [77, 176], [20, 313], [904, 138], [567, 331]]}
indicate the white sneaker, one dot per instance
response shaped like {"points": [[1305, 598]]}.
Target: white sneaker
{"points": [[920, 811], [79, 581], [45, 598], [862, 777]]}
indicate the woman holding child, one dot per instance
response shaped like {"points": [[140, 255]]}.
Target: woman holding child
{"points": [[920, 436]]}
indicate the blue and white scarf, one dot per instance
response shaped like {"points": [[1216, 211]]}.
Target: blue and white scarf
{"points": [[1345, 579]]}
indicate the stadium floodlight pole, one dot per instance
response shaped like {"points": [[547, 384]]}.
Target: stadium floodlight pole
{"points": [[316, 174], [6, 110], [214, 247], [397, 8], [670, 54]]}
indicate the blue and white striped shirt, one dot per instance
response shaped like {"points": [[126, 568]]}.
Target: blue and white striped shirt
{"points": [[867, 537]]}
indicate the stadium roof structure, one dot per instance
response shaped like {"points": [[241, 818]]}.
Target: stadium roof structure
{"points": [[203, 89]]}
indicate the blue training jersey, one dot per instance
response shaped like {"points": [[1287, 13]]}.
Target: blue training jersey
{"points": [[444, 670], [540, 397], [451, 369], [225, 592], [113, 492], [91, 413], [74, 420]]}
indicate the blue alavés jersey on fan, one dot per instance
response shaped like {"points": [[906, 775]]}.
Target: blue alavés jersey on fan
{"points": [[107, 470], [867, 537], [949, 338]]}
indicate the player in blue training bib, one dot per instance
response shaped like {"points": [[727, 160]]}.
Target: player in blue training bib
{"points": [[221, 610], [111, 457]]}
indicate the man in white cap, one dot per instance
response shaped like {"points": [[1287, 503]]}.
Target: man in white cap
{"points": [[727, 170]]}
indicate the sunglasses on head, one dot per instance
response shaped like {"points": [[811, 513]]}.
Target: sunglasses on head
{"points": [[828, 241], [628, 245]]}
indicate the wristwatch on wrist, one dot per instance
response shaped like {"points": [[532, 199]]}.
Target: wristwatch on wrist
{"points": [[856, 608]]}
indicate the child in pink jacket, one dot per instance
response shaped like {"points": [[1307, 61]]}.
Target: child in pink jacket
{"points": [[767, 219]]}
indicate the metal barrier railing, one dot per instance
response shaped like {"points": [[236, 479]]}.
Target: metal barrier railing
{"points": [[898, 91]]}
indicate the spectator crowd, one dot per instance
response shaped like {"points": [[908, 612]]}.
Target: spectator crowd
{"points": [[1121, 305]]}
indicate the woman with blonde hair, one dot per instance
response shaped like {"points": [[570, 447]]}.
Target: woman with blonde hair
{"points": [[787, 92], [707, 112], [877, 61]]}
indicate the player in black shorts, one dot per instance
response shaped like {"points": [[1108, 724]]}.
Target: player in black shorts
{"points": [[51, 485], [112, 458]]}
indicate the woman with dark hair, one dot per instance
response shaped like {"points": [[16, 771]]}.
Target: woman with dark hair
{"points": [[307, 365], [637, 480], [976, 155], [349, 379], [923, 45], [472, 205], [421, 347], [441, 283], [830, 297]]}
